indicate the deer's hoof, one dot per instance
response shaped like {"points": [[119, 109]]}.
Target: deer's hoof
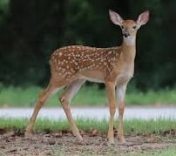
{"points": [[111, 141], [79, 138], [28, 134], [122, 140]]}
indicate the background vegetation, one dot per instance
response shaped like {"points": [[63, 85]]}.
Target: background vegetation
{"points": [[31, 30], [87, 96]]}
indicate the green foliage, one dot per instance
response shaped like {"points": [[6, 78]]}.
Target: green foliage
{"points": [[31, 30], [4, 6], [87, 96], [161, 97]]}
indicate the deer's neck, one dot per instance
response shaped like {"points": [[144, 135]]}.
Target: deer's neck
{"points": [[129, 48], [129, 41]]}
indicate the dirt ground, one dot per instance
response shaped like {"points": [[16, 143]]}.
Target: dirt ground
{"points": [[63, 143]]}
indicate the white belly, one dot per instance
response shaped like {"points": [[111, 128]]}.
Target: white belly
{"points": [[93, 76], [92, 79]]}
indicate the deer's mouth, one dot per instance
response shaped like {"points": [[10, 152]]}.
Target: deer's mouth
{"points": [[126, 35]]}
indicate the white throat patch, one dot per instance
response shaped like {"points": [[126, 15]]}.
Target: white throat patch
{"points": [[130, 40]]}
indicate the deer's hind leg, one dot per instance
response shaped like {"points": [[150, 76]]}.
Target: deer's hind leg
{"points": [[110, 88], [65, 100], [40, 102]]}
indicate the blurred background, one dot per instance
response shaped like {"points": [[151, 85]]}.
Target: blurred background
{"points": [[31, 30]]}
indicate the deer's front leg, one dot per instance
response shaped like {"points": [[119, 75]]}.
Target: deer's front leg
{"points": [[121, 90], [110, 87]]}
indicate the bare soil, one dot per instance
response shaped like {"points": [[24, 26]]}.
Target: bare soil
{"points": [[64, 143]]}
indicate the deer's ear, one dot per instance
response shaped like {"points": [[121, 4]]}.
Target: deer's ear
{"points": [[115, 18], [143, 18]]}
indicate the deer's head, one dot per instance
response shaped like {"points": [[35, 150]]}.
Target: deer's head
{"points": [[129, 27]]}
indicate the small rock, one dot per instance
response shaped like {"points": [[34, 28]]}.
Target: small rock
{"points": [[12, 150], [2, 147], [57, 135], [51, 142]]}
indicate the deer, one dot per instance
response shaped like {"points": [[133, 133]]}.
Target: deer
{"points": [[71, 66]]}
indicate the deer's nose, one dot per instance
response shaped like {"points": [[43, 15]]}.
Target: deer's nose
{"points": [[126, 34]]}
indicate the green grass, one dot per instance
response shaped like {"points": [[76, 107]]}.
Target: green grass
{"points": [[165, 152], [162, 97], [87, 96], [162, 152], [26, 97], [171, 151], [134, 127]]}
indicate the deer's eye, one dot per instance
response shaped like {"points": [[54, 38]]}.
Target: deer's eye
{"points": [[134, 27], [122, 27]]}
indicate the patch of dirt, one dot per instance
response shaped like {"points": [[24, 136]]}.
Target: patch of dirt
{"points": [[63, 143]]}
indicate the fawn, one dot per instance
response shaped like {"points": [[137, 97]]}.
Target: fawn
{"points": [[71, 66]]}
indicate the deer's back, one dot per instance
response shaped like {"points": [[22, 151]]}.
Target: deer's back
{"points": [[84, 60]]}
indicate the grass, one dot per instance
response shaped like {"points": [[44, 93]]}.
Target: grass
{"points": [[162, 152], [165, 152], [160, 127], [26, 97], [87, 96], [134, 126]]}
